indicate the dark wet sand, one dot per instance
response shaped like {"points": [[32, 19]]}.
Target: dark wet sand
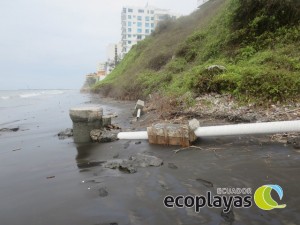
{"points": [[28, 197]]}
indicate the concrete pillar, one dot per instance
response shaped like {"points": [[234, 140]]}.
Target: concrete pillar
{"points": [[139, 105], [106, 120], [85, 119]]}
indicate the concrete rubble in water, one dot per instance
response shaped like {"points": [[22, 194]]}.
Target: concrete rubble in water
{"points": [[130, 165]]}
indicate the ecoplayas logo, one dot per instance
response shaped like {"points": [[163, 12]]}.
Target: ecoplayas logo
{"points": [[264, 200], [227, 198]]}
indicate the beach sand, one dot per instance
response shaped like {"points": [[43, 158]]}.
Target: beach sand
{"points": [[44, 180]]}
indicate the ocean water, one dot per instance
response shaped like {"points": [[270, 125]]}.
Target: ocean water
{"points": [[17, 105], [17, 94]]}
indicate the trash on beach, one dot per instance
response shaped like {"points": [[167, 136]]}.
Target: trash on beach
{"points": [[65, 134], [50, 177]]}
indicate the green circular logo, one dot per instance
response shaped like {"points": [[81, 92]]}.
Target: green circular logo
{"points": [[264, 200]]}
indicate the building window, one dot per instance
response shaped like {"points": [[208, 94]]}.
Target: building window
{"points": [[124, 10], [129, 30], [139, 18], [139, 30], [147, 25], [147, 31], [130, 10], [152, 18], [152, 25], [129, 16], [129, 42], [152, 30], [141, 11], [139, 24], [147, 18], [152, 11], [139, 37], [129, 23], [129, 35]]}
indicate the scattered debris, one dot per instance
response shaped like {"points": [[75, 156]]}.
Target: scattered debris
{"points": [[138, 142], [127, 167], [216, 69], [116, 156], [172, 166], [65, 134], [130, 165], [89, 164], [178, 150], [113, 115], [50, 177], [228, 217], [142, 160], [103, 136], [18, 149], [103, 192], [113, 223], [126, 145], [206, 183], [15, 129], [294, 141], [112, 127]]}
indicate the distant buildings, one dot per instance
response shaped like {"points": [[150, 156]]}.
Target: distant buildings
{"points": [[139, 22], [113, 56], [113, 50], [201, 2]]}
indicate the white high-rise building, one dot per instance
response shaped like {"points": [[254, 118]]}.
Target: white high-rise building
{"points": [[139, 22]]}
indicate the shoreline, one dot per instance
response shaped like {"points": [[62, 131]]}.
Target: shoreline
{"points": [[60, 182]]}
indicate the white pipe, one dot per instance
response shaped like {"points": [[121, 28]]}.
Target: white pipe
{"points": [[138, 114], [138, 135], [229, 130], [253, 128]]}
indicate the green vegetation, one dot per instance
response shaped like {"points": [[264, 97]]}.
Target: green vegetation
{"points": [[257, 41]]}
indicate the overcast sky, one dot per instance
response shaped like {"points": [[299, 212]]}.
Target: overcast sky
{"points": [[54, 43]]}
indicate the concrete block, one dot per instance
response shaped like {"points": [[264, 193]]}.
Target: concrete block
{"points": [[171, 134], [85, 119], [106, 120]]}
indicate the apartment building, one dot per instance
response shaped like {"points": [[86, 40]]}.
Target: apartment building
{"points": [[139, 22]]}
